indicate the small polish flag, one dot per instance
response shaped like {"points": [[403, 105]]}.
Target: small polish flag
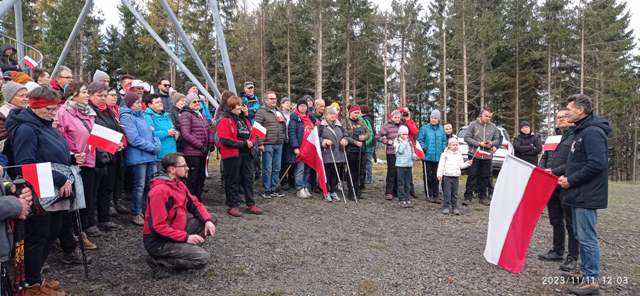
{"points": [[418, 150], [31, 63], [40, 176], [104, 138], [258, 131], [551, 143], [520, 195], [481, 153]]}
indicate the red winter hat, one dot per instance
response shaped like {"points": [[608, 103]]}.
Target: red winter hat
{"points": [[354, 108]]}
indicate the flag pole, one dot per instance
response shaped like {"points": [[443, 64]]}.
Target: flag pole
{"points": [[335, 165]]}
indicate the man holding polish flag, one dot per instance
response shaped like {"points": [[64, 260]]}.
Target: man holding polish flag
{"points": [[104, 139]]}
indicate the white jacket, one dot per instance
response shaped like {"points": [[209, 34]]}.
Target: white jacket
{"points": [[451, 164]]}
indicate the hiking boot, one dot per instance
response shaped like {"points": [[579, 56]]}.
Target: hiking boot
{"points": [[51, 284], [409, 204], [301, 194], [113, 212], [569, 264], [110, 226], [37, 290], [93, 231], [586, 288], [234, 212], [389, 196], [88, 245], [432, 199], [73, 258], [456, 211], [446, 211], [485, 202], [121, 209], [467, 202], [253, 209], [551, 256], [137, 220]]}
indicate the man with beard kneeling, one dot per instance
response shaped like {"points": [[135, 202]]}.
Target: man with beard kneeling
{"points": [[176, 222]]}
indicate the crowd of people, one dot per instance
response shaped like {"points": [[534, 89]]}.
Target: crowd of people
{"points": [[162, 161]]}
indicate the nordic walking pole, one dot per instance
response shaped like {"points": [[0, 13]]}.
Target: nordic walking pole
{"points": [[353, 188], [335, 165], [285, 173], [425, 178], [81, 244]]}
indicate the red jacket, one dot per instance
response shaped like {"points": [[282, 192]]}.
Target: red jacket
{"points": [[169, 204], [229, 143]]}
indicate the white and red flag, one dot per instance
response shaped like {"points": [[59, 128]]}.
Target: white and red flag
{"points": [[31, 63], [551, 143], [520, 195], [40, 176], [481, 153], [258, 131], [311, 155], [104, 138], [417, 148]]}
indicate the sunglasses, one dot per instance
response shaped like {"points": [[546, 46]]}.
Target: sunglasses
{"points": [[195, 102], [166, 85]]}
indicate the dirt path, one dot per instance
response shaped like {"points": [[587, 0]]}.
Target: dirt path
{"points": [[309, 247]]}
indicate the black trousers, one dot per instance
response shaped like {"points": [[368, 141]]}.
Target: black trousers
{"points": [[392, 176], [479, 178], [178, 255], [357, 166], [432, 178], [332, 176], [195, 179], [89, 181], [450, 191], [106, 181], [561, 222], [40, 232], [238, 180], [119, 180]]}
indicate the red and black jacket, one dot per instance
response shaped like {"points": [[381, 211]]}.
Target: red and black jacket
{"points": [[169, 204], [230, 143]]}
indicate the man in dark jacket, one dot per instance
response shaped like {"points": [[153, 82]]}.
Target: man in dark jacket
{"points": [[560, 215], [483, 138], [585, 180], [163, 92], [250, 99], [271, 146], [527, 145], [175, 222]]}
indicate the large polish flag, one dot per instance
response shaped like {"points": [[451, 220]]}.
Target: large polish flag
{"points": [[40, 176], [311, 155], [520, 195], [551, 143], [104, 138]]}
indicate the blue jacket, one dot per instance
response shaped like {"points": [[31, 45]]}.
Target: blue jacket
{"points": [[34, 140], [587, 165], [161, 124], [404, 154], [253, 103], [296, 131], [433, 141], [142, 145]]}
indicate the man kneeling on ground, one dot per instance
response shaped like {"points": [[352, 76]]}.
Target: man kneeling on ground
{"points": [[176, 222]]}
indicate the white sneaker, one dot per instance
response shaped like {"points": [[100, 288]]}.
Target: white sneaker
{"points": [[301, 194], [328, 198], [306, 192], [335, 197]]}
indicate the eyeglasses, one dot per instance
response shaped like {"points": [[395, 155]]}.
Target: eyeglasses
{"points": [[182, 166], [195, 102], [67, 77], [166, 85], [51, 109]]}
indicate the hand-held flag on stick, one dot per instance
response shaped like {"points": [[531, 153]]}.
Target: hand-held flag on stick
{"points": [[551, 143], [311, 155], [104, 138], [40, 176], [258, 132], [521, 193], [31, 63]]}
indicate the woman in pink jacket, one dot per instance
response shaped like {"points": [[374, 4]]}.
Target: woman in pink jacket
{"points": [[75, 120]]}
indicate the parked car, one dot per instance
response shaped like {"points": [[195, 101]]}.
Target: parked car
{"points": [[498, 156]]}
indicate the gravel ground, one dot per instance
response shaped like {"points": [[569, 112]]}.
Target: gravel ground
{"points": [[309, 247]]}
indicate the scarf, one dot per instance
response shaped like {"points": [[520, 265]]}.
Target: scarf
{"points": [[243, 130], [101, 106], [306, 120], [85, 109]]}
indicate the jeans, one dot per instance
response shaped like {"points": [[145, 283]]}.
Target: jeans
{"points": [[271, 163], [450, 191], [302, 174], [142, 174], [560, 218], [404, 177], [584, 226], [368, 179]]}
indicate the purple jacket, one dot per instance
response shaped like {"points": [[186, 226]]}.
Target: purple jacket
{"points": [[195, 133], [387, 134]]}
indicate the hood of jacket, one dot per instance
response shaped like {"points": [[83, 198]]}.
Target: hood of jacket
{"points": [[5, 47], [25, 116], [127, 110], [595, 121]]}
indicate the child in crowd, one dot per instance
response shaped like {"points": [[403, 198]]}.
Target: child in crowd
{"points": [[449, 171], [404, 164]]}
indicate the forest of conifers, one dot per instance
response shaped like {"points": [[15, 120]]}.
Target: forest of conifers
{"points": [[521, 57]]}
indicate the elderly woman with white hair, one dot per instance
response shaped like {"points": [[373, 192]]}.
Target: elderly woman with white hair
{"points": [[333, 138], [387, 135]]}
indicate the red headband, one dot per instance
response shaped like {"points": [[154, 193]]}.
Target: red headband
{"points": [[37, 103]]}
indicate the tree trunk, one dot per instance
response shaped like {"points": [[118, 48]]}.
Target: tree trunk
{"points": [[289, 49], [403, 82], [549, 95], [635, 151], [464, 69], [385, 60], [319, 52], [483, 77], [582, 65], [516, 113], [443, 76], [263, 87], [347, 35]]}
